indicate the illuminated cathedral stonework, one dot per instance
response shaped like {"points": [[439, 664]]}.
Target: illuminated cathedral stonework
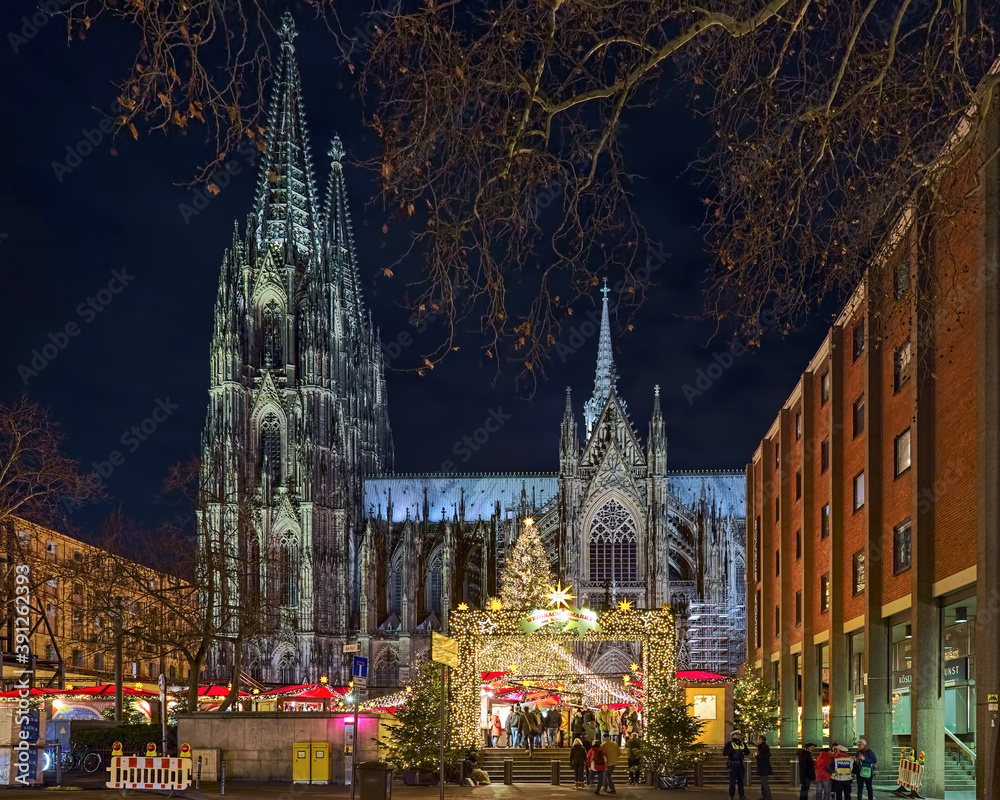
{"points": [[297, 465]]}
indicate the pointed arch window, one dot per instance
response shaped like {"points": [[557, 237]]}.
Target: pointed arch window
{"points": [[387, 667], [270, 448], [287, 672], [395, 587], [270, 327], [433, 592], [613, 544], [288, 573]]}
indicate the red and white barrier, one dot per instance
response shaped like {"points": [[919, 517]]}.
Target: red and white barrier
{"points": [[145, 772], [911, 774]]}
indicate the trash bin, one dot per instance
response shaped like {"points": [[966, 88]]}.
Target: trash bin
{"points": [[796, 778], [375, 780]]}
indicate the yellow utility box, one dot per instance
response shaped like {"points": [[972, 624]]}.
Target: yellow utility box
{"points": [[311, 762], [321, 764]]}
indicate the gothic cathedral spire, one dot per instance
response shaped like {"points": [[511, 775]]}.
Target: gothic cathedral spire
{"points": [[604, 380]]}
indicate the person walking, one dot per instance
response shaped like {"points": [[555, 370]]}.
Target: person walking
{"points": [[612, 755], [539, 726], [576, 724], [735, 752], [553, 722], [842, 773], [865, 762], [497, 729], [807, 769], [604, 721], [632, 748], [578, 761], [513, 722], [824, 764], [764, 770], [529, 730], [597, 764]]}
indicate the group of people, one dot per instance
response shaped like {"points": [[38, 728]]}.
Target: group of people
{"points": [[833, 770], [594, 762], [532, 728]]}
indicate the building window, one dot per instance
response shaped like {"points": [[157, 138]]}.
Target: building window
{"points": [[798, 485], [798, 425], [859, 490], [901, 547], [270, 449], [395, 605], [288, 573], [50, 653], [777, 509], [287, 672], [798, 608], [50, 548], [757, 620], [824, 593], [777, 563], [859, 338], [777, 455], [172, 672], [902, 452], [77, 658], [900, 278], [859, 416], [386, 667], [798, 544], [756, 550], [858, 572], [824, 388], [824, 521], [433, 591], [613, 544], [272, 355], [902, 365], [777, 620], [824, 455]]}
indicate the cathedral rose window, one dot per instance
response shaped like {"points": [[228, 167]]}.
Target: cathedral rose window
{"points": [[613, 544]]}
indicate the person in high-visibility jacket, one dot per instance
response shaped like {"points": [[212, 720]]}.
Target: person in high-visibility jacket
{"points": [[841, 772]]}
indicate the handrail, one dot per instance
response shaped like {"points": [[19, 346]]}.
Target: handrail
{"points": [[960, 743]]}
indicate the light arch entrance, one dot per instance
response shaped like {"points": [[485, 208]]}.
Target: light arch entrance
{"points": [[498, 638]]}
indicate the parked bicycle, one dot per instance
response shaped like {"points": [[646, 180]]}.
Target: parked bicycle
{"points": [[80, 757]]}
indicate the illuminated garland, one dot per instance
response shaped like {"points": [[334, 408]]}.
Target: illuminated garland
{"points": [[500, 631]]}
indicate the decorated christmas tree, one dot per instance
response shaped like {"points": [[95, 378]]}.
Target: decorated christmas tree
{"points": [[413, 740], [755, 705], [670, 731], [526, 579]]}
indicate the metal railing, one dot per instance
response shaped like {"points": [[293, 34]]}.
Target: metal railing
{"points": [[971, 753]]}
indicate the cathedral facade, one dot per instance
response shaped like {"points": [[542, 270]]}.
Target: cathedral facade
{"points": [[317, 543]]}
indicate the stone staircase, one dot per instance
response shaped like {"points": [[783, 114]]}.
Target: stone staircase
{"points": [[959, 771]]}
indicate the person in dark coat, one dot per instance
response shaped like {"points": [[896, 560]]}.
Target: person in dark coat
{"points": [[764, 770], [632, 748], [735, 752], [576, 724], [578, 760], [807, 770], [553, 722]]}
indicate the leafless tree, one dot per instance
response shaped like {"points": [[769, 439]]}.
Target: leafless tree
{"points": [[501, 123], [37, 481]]}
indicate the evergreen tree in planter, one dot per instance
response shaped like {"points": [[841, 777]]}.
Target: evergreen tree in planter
{"points": [[669, 731], [526, 579], [131, 714], [755, 705], [413, 741]]}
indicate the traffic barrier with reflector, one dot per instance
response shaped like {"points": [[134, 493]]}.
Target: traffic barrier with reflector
{"points": [[149, 772], [116, 749], [185, 750], [151, 749], [911, 775]]}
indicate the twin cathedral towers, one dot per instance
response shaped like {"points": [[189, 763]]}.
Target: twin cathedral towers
{"points": [[319, 543]]}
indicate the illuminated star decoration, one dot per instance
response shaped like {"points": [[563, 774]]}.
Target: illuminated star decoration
{"points": [[625, 605], [495, 604], [138, 685], [323, 679], [463, 606], [559, 596], [634, 667]]}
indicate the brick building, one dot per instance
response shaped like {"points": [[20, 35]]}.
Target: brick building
{"points": [[873, 575], [73, 636]]}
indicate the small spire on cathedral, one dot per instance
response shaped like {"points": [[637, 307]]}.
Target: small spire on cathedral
{"points": [[604, 380], [336, 152]]}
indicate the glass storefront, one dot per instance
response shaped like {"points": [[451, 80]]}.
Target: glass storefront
{"points": [[901, 655], [959, 669], [858, 682]]}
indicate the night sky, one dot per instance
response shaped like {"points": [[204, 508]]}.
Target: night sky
{"points": [[110, 229]]}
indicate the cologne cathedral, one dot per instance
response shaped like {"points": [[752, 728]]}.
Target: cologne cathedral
{"points": [[320, 544]]}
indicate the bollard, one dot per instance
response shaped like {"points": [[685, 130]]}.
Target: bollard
{"points": [[699, 774], [222, 777], [555, 771], [795, 773], [197, 775], [508, 771], [58, 752]]}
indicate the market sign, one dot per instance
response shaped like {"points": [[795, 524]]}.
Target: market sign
{"points": [[580, 619]]}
